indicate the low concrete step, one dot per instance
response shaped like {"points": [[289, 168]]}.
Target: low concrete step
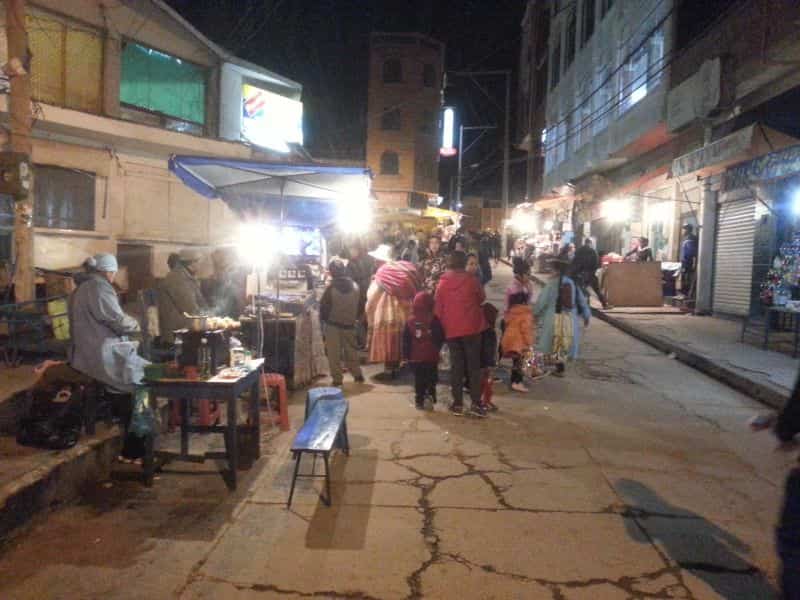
{"points": [[37, 481]]}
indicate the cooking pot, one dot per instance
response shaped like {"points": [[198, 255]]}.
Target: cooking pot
{"points": [[197, 322]]}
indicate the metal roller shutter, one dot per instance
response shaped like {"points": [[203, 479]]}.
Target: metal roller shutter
{"points": [[733, 256]]}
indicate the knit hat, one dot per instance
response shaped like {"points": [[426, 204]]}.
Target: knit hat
{"points": [[105, 263]]}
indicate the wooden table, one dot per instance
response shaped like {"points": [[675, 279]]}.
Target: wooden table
{"points": [[186, 391]]}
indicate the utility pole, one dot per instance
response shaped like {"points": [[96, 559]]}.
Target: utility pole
{"points": [[21, 122], [460, 163], [507, 136], [506, 160]]}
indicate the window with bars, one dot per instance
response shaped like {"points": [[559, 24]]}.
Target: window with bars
{"points": [[65, 198], [588, 21], [571, 34], [390, 163], [391, 119], [602, 100], [392, 71], [555, 64], [66, 63], [162, 84], [642, 72]]}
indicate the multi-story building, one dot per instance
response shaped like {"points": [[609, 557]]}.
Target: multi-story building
{"points": [[403, 108], [532, 91], [117, 89], [649, 103]]}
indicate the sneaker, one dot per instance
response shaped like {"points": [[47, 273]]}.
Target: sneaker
{"points": [[419, 405], [457, 410], [491, 407], [519, 387], [476, 410]]}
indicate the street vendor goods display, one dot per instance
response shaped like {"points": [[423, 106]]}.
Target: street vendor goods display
{"points": [[781, 284]]}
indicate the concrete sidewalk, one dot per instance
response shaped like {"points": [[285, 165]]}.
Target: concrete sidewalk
{"points": [[710, 345]]}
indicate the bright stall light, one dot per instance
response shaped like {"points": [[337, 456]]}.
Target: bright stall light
{"points": [[796, 201], [525, 223], [256, 244], [548, 226], [617, 211], [354, 217]]}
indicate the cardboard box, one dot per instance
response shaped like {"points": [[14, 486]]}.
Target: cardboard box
{"points": [[633, 284]]}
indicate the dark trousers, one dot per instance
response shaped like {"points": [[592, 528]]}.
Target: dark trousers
{"points": [[516, 370], [425, 377], [465, 360], [788, 538], [590, 281]]}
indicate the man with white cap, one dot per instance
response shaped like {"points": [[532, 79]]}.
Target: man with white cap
{"points": [[99, 329], [179, 293]]}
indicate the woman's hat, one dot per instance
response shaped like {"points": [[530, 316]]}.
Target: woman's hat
{"points": [[382, 253]]}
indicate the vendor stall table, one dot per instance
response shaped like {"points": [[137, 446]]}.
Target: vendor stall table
{"points": [[186, 391]]}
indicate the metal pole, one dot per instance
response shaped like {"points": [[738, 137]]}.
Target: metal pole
{"points": [[506, 157], [460, 162]]}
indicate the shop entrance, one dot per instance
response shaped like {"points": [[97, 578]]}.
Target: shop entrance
{"points": [[138, 258]]}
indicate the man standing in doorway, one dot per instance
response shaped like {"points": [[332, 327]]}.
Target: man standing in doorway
{"points": [[688, 260]]}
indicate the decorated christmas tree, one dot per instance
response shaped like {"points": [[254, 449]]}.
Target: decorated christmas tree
{"points": [[784, 274]]}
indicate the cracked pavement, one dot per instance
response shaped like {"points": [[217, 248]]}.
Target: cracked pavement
{"points": [[633, 477]]}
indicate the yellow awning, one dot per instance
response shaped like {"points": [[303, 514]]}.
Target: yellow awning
{"points": [[440, 213]]}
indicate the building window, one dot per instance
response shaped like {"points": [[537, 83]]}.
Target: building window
{"points": [[390, 163], [392, 71], [561, 142], [605, 6], [428, 123], [555, 63], [162, 84], [66, 65], [642, 72], [584, 119], [429, 76], [602, 100], [390, 119], [569, 49], [64, 198], [587, 29]]}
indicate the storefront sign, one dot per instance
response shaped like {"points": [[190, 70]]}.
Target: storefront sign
{"points": [[271, 120], [726, 149], [696, 97], [774, 165]]}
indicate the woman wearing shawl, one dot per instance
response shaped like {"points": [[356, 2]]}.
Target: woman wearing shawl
{"points": [[559, 309], [388, 306]]}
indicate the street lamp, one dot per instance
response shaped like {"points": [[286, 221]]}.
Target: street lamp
{"points": [[507, 137]]}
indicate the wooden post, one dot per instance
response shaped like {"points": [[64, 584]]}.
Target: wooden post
{"points": [[21, 122]]}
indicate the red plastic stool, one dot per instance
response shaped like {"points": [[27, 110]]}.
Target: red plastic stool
{"points": [[278, 382]]}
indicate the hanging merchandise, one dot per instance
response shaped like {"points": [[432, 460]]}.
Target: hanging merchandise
{"points": [[784, 276]]}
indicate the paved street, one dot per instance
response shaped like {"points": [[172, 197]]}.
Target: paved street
{"points": [[633, 477]]}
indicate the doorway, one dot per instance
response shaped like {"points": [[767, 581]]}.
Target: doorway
{"points": [[138, 258]]}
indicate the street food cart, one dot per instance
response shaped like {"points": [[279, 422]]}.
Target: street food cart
{"points": [[282, 321]]}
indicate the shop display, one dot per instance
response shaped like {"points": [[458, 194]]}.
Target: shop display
{"points": [[783, 279]]}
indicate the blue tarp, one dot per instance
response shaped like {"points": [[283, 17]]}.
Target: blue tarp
{"points": [[303, 195]]}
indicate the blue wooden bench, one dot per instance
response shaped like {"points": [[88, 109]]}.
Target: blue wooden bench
{"points": [[324, 429]]}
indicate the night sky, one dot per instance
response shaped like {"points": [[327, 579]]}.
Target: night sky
{"points": [[323, 44]]}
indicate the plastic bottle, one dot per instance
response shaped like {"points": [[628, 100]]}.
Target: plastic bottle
{"points": [[178, 350]]}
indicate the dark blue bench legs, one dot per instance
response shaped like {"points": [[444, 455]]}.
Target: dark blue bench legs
{"points": [[326, 498]]}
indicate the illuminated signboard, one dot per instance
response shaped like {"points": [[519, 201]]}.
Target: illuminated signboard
{"points": [[448, 124], [271, 120]]}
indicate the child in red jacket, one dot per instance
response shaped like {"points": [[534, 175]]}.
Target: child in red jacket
{"points": [[422, 340]]}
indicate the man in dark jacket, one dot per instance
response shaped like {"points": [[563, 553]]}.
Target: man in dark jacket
{"points": [[459, 296], [584, 268], [340, 310], [180, 293]]}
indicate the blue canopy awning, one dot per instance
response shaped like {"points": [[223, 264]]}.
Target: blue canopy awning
{"points": [[295, 194]]}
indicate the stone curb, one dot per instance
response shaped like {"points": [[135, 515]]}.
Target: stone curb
{"points": [[772, 396]]}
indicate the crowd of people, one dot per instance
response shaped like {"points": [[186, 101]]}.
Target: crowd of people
{"points": [[425, 306]]}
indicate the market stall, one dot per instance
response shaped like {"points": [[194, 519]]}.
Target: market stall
{"points": [[276, 201]]}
